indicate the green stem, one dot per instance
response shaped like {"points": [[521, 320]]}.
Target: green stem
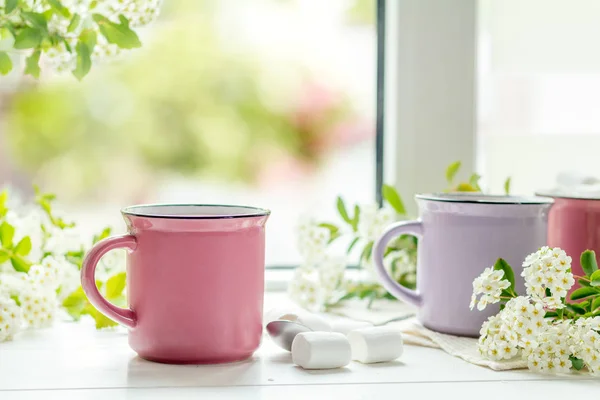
{"points": [[581, 277]]}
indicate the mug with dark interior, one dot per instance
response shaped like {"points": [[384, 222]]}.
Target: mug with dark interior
{"points": [[459, 236], [195, 281]]}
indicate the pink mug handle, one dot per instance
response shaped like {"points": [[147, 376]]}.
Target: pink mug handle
{"points": [[406, 227], [123, 316]]}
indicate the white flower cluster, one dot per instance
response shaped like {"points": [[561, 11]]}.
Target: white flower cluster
{"points": [[373, 221], [522, 328], [36, 291], [585, 342], [514, 328], [315, 282], [548, 276], [31, 299], [320, 278], [489, 285], [550, 352], [399, 263], [312, 241], [138, 12], [313, 286], [10, 318]]}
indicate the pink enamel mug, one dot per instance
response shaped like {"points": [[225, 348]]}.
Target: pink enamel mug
{"points": [[574, 225], [195, 281]]}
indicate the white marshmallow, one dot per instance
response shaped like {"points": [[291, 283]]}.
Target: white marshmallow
{"points": [[345, 326], [321, 350], [375, 344]]}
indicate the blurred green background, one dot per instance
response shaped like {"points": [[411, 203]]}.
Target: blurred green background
{"points": [[187, 103]]}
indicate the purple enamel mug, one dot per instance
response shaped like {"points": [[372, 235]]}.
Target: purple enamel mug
{"points": [[460, 235]]}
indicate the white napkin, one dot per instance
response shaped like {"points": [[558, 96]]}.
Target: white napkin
{"points": [[461, 347]]}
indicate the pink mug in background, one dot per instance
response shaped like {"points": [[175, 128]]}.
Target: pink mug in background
{"points": [[574, 225], [195, 281]]}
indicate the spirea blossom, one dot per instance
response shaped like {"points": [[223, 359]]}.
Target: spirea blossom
{"points": [[10, 318], [489, 285], [548, 276]]}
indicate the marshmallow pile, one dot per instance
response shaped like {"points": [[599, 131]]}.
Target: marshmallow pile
{"points": [[335, 345]]}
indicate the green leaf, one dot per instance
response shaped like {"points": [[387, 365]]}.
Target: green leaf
{"points": [[84, 60], [93, 4], [367, 251], [588, 262], [5, 63], [341, 207], [28, 38], [355, 218], [119, 34], [75, 303], [37, 20], [576, 308], [583, 282], [369, 291], [334, 231], [595, 279], [59, 8], [24, 246], [74, 23], [88, 37], [16, 299], [103, 235], [3, 198], [509, 275], [474, 181], [584, 292], [7, 232], [560, 313], [4, 256], [595, 303], [19, 263], [32, 66], [576, 362], [101, 320], [10, 5], [550, 314], [352, 244], [507, 186], [390, 194], [452, 170], [466, 187], [115, 285]]}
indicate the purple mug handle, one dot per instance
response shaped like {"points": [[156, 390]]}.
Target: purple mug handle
{"points": [[123, 316], [414, 228]]}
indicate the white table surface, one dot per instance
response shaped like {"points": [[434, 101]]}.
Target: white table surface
{"points": [[74, 361]]}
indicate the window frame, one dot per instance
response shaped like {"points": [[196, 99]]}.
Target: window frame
{"points": [[430, 108]]}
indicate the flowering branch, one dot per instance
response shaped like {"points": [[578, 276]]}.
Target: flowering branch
{"points": [[40, 258], [70, 34], [552, 334]]}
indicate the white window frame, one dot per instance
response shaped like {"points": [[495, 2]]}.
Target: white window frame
{"points": [[430, 93]]}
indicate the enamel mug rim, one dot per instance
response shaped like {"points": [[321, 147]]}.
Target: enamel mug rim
{"points": [[186, 211], [478, 198], [556, 194]]}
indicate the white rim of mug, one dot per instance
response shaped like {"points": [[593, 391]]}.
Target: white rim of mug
{"points": [[253, 211], [478, 198], [559, 195]]}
